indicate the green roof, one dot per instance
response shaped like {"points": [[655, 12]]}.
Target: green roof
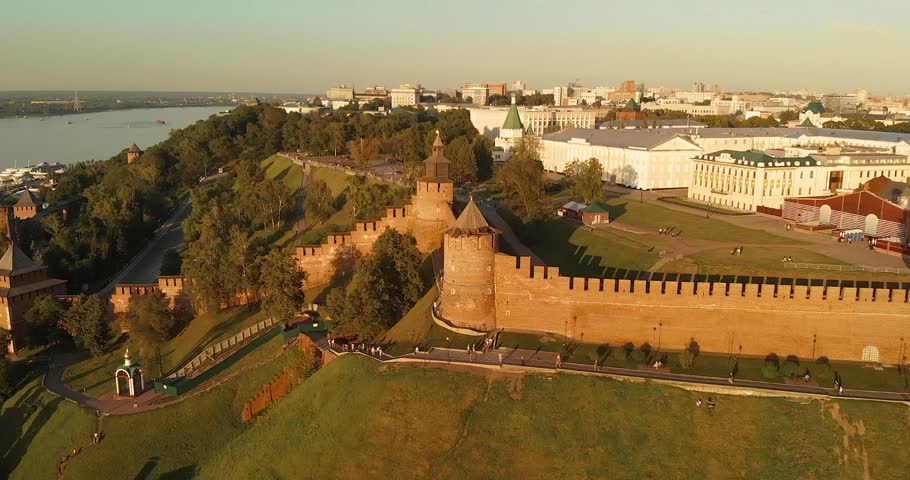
{"points": [[815, 107], [513, 122], [632, 105], [806, 123], [596, 207], [742, 158]]}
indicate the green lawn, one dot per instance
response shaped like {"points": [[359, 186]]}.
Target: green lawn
{"points": [[94, 374], [37, 429], [766, 261], [417, 329], [581, 251], [358, 419], [629, 210]]}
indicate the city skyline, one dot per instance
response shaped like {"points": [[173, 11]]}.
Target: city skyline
{"points": [[282, 47]]}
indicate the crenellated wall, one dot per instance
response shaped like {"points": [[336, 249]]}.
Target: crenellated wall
{"points": [[425, 217], [809, 322]]}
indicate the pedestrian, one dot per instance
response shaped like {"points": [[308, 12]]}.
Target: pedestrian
{"points": [[416, 350], [522, 360], [730, 379], [840, 390], [698, 403], [500, 359], [596, 368], [558, 360], [135, 404]]}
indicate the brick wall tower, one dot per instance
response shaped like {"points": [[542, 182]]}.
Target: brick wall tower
{"points": [[468, 292], [133, 153], [432, 204]]}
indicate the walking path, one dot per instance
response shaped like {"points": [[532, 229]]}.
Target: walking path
{"points": [[531, 361]]}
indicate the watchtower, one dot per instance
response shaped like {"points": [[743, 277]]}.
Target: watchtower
{"points": [[133, 153], [432, 204], [468, 291]]}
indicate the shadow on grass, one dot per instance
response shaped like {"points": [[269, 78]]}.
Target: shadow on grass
{"points": [[15, 446]]}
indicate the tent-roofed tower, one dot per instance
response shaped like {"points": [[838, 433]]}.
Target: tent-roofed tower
{"points": [[432, 203], [133, 153], [21, 282], [467, 298], [27, 207], [511, 132]]}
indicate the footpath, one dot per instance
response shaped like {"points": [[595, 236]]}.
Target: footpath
{"points": [[537, 362]]}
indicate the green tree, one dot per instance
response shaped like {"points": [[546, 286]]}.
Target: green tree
{"points": [[151, 325], [522, 178], [43, 319], [170, 263], [319, 204], [280, 283], [275, 200], [464, 164], [364, 150], [385, 285], [203, 265], [88, 323], [586, 179]]}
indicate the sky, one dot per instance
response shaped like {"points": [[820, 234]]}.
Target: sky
{"points": [[306, 46]]}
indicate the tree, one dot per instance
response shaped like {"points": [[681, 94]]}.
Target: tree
{"points": [[464, 164], [280, 281], [171, 263], [586, 179], [319, 204], [88, 323], [364, 150], [43, 319], [151, 324], [203, 265], [384, 287], [522, 177], [275, 200]]}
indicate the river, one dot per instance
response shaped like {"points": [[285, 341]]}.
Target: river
{"points": [[99, 135]]}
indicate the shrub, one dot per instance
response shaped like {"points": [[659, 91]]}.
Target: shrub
{"points": [[637, 356], [686, 359], [790, 367]]}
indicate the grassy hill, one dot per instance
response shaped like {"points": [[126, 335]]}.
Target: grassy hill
{"points": [[359, 419]]}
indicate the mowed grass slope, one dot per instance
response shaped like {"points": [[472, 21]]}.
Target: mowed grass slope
{"points": [[94, 376], [360, 419], [40, 427]]}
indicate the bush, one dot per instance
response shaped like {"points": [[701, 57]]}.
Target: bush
{"points": [[686, 359], [637, 356], [790, 368]]}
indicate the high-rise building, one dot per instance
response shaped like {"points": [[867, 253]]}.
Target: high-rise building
{"points": [[698, 87], [517, 86], [627, 87], [496, 88]]}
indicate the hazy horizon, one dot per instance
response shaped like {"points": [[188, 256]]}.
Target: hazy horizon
{"points": [[282, 46]]}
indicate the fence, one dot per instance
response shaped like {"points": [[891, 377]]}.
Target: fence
{"points": [[894, 247], [777, 212], [271, 392], [845, 268], [209, 354]]}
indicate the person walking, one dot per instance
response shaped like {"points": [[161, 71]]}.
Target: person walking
{"points": [[558, 360], [500, 360]]}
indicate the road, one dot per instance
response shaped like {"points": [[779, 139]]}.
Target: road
{"points": [[531, 361], [145, 267]]}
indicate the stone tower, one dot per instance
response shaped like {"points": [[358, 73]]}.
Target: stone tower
{"points": [[468, 292], [432, 204], [133, 153]]}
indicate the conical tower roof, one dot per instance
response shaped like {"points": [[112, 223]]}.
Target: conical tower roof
{"points": [[27, 199], [134, 149], [15, 259], [632, 106], [815, 107], [471, 221], [513, 121], [806, 123]]}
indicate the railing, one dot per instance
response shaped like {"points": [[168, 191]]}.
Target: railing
{"points": [[846, 268], [209, 354]]}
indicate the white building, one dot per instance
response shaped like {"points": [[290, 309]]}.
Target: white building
{"points": [[537, 120], [511, 132], [662, 158], [646, 159], [341, 92], [405, 95], [746, 180], [476, 92]]}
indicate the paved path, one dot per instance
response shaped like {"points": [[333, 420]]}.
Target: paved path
{"points": [[488, 209], [531, 361], [145, 267]]}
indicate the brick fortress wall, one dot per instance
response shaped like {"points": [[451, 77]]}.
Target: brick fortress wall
{"points": [[809, 322]]}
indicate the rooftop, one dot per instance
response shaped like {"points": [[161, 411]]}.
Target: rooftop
{"points": [[471, 221], [752, 158], [643, 139]]}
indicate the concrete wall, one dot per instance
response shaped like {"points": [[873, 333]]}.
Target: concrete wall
{"points": [[761, 319]]}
